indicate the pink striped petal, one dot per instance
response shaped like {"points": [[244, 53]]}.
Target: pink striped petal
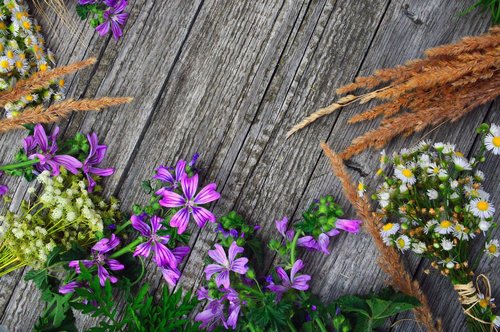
{"points": [[189, 185], [171, 199], [180, 220], [219, 255], [207, 194]]}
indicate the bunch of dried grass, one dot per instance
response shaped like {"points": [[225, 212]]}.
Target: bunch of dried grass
{"points": [[389, 260], [55, 112], [450, 82]]}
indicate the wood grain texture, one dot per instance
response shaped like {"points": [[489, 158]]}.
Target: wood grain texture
{"points": [[227, 79]]}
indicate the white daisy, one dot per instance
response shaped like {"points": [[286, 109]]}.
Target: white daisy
{"points": [[492, 248], [432, 194], [389, 229], [447, 244], [403, 242], [431, 223], [496, 321], [405, 173], [419, 248], [461, 164], [444, 227], [448, 262], [454, 184], [479, 176], [6, 64], [461, 232], [476, 193], [484, 225], [492, 142], [439, 146], [424, 161], [481, 208], [361, 188], [448, 148]]}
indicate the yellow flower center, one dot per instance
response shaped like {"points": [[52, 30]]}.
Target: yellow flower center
{"points": [[445, 224], [43, 67], [407, 173], [361, 186], [10, 54], [458, 153], [484, 303], [401, 243], [482, 206], [492, 249], [19, 64], [435, 170], [387, 227], [4, 64], [496, 141], [2, 26], [26, 25], [29, 98], [459, 228]]}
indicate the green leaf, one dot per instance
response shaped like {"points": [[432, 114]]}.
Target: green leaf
{"points": [[39, 277]]}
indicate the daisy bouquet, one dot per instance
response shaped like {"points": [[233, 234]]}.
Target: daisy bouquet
{"points": [[64, 207], [22, 53], [433, 203]]}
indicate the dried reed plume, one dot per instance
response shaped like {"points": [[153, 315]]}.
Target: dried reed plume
{"points": [[389, 260], [451, 81], [55, 112], [40, 80]]}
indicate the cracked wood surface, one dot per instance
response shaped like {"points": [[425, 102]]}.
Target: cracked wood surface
{"points": [[227, 79]]}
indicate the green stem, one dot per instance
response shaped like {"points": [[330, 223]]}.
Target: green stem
{"points": [[251, 327], [320, 325], [22, 164], [128, 248], [294, 247], [122, 227], [290, 326]]}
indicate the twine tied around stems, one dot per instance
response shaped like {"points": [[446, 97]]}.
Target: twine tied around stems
{"points": [[469, 297]]}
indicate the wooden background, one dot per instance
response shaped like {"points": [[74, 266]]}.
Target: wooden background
{"points": [[227, 79]]}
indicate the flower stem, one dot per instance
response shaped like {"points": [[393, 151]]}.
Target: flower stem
{"points": [[294, 247], [122, 227], [290, 326], [19, 165], [320, 325], [128, 248]]}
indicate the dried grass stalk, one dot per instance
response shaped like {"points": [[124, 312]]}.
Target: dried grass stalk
{"points": [[389, 260], [450, 82], [58, 111], [41, 79]]}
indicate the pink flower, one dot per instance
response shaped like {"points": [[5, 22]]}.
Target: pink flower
{"points": [[190, 203], [226, 264]]}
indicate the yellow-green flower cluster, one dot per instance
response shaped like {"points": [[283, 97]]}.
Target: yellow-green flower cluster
{"points": [[61, 214], [434, 204], [22, 53]]}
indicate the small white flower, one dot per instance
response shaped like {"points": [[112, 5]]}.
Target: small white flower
{"points": [[450, 265], [419, 248], [447, 244], [484, 225], [479, 175], [432, 193], [492, 140], [361, 188], [461, 164], [444, 227], [454, 184], [496, 321], [431, 223], [403, 188], [491, 248], [449, 148], [389, 229], [403, 242], [481, 208], [405, 174], [460, 232], [439, 146]]}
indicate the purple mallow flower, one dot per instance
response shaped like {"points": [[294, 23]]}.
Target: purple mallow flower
{"points": [[172, 275], [281, 226], [294, 281], [190, 202], [100, 259], [70, 287], [95, 157], [114, 18], [162, 255], [44, 148], [214, 314], [164, 174], [323, 240], [3, 188], [226, 264]]}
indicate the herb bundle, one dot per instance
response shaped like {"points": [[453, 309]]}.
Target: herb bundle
{"points": [[431, 202], [22, 53]]}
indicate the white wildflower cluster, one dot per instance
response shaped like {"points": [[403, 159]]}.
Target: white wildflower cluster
{"points": [[434, 203], [63, 213], [22, 53]]}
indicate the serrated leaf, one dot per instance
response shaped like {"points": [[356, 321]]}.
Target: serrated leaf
{"points": [[39, 278]]}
